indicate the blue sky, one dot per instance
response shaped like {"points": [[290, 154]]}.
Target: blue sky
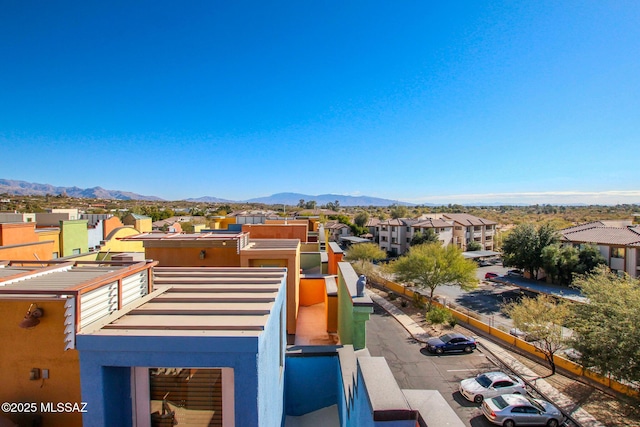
{"points": [[439, 102]]}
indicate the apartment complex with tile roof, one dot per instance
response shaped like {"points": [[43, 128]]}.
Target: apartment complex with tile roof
{"points": [[394, 235], [617, 243]]}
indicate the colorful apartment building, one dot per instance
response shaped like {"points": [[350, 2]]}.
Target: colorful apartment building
{"points": [[45, 305], [207, 347], [21, 240], [228, 249]]}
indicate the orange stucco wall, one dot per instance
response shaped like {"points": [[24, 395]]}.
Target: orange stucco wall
{"points": [[277, 231], [16, 233], [31, 251], [110, 224], [190, 257], [40, 347], [290, 259], [312, 291], [331, 312], [334, 259]]}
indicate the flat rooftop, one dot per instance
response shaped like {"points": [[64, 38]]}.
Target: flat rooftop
{"points": [[59, 277], [201, 301]]}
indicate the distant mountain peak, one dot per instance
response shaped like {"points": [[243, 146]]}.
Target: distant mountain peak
{"points": [[23, 188]]}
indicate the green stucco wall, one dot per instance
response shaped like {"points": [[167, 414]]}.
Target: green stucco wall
{"points": [[352, 317], [73, 235]]}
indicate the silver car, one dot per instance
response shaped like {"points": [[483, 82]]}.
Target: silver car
{"points": [[511, 410], [491, 384]]}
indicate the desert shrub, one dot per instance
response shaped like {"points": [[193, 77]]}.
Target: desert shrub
{"points": [[439, 315]]}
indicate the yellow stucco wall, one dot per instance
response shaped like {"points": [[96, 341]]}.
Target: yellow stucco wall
{"points": [[112, 244], [40, 347], [144, 225], [222, 223], [51, 235]]}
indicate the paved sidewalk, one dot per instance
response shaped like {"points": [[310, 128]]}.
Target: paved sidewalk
{"points": [[559, 399]]}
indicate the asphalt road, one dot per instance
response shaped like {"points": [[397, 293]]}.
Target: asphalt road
{"points": [[415, 368]]}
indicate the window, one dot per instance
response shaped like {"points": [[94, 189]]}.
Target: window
{"points": [[393, 229], [185, 396], [477, 228], [383, 238], [54, 255], [408, 240], [617, 252], [408, 229], [75, 251], [458, 227], [383, 228], [502, 384], [394, 240]]}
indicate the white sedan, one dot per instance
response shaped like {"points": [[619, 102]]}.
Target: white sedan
{"points": [[491, 384]]}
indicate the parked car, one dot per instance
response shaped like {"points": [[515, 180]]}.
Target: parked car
{"points": [[484, 263], [491, 384], [518, 273], [451, 342], [510, 410], [490, 275], [571, 354], [523, 335]]}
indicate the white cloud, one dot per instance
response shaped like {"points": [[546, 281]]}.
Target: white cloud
{"points": [[612, 197]]}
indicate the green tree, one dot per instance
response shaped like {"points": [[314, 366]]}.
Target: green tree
{"points": [[606, 329], [364, 252], [542, 318], [301, 203], [187, 227], [474, 246], [361, 219], [589, 258], [522, 248], [310, 204], [561, 263], [333, 206], [432, 265], [399, 211], [420, 238], [550, 261]]}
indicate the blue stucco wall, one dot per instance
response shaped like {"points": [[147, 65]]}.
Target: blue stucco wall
{"points": [[271, 366], [117, 385], [95, 234], [105, 363], [312, 383], [176, 352]]}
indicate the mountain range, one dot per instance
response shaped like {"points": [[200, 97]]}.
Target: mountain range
{"points": [[322, 199], [23, 188]]}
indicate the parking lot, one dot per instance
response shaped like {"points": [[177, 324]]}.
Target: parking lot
{"points": [[415, 368]]}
